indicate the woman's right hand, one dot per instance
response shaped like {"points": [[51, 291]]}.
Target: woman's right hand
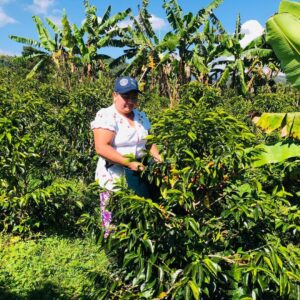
{"points": [[136, 166]]}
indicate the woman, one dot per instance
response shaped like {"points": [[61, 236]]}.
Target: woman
{"points": [[120, 130]]}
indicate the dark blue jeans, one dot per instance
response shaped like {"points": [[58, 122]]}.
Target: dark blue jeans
{"points": [[138, 183]]}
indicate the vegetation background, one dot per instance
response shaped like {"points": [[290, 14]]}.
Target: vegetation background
{"points": [[225, 223]]}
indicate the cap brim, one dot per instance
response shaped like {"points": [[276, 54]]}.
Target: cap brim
{"points": [[126, 91]]}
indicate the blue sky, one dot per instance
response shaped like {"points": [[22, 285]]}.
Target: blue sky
{"points": [[16, 15]]}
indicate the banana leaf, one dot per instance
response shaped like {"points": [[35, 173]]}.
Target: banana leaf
{"points": [[290, 7], [283, 34], [275, 154], [288, 123]]}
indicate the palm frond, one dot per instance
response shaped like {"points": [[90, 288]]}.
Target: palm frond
{"points": [[68, 40], [217, 23], [35, 69], [257, 52], [224, 77], [25, 41], [110, 24], [174, 14], [144, 18], [44, 35], [169, 42], [54, 27], [241, 72], [86, 4], [103, 57], [106, 14], [197, 62], [203, 14], [237, 33], [140, 55], [118, 61], [78, 35]]}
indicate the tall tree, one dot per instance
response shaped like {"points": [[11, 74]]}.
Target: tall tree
{"points": [[172, 58], [241, 65], [72, 48], [47, 47], [101, 32], [187, 27]]}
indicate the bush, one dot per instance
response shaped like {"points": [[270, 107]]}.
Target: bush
{"points": [[47, 157], [218, 230], [48, 268]]}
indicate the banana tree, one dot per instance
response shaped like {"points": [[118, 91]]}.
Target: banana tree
{"points": [[47, 47], [173, 58], [287, 123], [244, 66], [101, 32], [207, 50], [141, 41], [283, 34], [72, 47], [149, 57], [283, 38], [187, 28], [58, 50]]}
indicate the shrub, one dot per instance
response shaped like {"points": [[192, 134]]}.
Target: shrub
{"points": [[217, 231], [48, 267], [47, 157]]}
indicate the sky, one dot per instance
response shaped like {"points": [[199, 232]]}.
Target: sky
{"points": [[16, 16]]}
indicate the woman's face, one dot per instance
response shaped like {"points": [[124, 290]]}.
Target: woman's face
{"points": [[125, 103]]}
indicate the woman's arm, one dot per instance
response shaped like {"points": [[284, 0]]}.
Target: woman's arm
{"points": [[155, 153], [103, 144]]}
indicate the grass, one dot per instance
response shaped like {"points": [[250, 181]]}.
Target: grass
{"points": [[48, 268]]}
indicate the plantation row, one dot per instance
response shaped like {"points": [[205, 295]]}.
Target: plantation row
{"points": [[224, 221], [219, 228]]}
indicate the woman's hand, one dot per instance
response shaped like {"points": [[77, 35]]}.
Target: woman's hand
{"points": [[157, 158], [155, 153], [136, 166]]}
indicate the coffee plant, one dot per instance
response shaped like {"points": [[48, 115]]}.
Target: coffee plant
{"points": [[219, 228], [46, 153]]}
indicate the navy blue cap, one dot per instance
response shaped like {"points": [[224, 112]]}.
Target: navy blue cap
{"points": [[125, 85]]}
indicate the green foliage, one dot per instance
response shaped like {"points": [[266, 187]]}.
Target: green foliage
{"points": [[276, 153], [194, 48], [283, 36], [72, 50], [209, 96], [280, 102], [219, 228], [46, 152], [48, 268], [288, 123]]}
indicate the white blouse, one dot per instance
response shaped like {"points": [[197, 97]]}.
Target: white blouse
{"points": [[128, 140]]}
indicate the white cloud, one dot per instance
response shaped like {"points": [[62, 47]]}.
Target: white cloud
{"points": [[41, 6], [55, 19], [125, 23], [252, 29], [5, 19], [156, 22]]}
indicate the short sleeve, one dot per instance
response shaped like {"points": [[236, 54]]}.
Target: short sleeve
{"points": [[143, 120], [104, 119], [146, 122]]}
